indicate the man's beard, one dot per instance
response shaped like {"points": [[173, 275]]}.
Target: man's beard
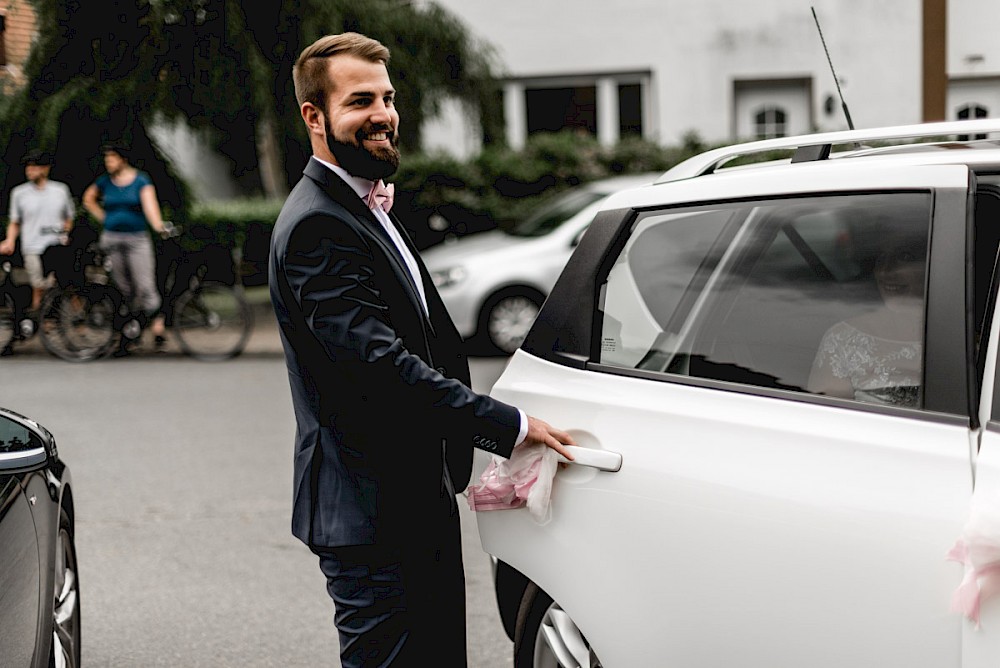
{"points": [[359, 161]]}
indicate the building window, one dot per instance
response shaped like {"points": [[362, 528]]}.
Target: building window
{"points": [[608, 106], [630, 110], [769, 122], [3, 47], [971, 111], [552, 109]]}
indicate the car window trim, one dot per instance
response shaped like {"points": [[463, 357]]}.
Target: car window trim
{"points": [[949, 364], [564, 329], [787, 395], [982, 353], [23, 459]]}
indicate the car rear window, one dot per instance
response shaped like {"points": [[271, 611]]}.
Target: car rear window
{"points": [[821, 294]]}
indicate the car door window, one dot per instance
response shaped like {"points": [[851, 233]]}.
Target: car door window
{"points": [[15, 437], [819, 294]]}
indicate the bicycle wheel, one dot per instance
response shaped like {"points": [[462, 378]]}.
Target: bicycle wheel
{"points": [[212, 322], [78, 323], [8, 324]]}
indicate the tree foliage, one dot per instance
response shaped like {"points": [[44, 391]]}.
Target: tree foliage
{"points": [[110, 69]]}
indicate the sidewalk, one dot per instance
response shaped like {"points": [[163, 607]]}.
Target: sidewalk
{"points": [[264, 339]]}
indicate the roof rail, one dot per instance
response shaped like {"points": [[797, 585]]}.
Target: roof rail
{"points": [[818, 146]]}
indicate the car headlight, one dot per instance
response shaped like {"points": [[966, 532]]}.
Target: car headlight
{"points": [[445, 278]]}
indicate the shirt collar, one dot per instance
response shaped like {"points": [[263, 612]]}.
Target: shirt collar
{"points": [[359, 185]]}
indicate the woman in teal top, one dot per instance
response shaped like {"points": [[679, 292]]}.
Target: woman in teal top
{"points": [[124, 202]]}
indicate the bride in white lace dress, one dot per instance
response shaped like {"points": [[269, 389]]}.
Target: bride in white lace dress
{"points": [[877, 356]]}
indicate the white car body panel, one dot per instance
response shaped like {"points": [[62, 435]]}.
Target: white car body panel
{"points": [[981, 646], [744, 529], [754, 530]]}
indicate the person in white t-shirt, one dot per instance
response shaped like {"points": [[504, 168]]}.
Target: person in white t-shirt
{"points": [[41, 215]]}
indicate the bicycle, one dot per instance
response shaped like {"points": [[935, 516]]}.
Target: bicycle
{"points": [[18, 321], [203, 305], [15, 301]]}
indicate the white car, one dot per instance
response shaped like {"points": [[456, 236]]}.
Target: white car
{"points": [[782, 383], [493, 283]]}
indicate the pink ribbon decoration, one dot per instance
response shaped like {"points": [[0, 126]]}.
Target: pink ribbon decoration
{"points": [[381, 195], [523, 480], [982, 575], [978, 550]]}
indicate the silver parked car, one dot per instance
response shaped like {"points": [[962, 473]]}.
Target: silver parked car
{"points": [[494, 283]]}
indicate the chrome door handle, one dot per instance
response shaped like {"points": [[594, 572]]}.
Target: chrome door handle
{"points": [[598, 459]]}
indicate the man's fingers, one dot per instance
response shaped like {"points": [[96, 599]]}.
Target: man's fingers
{"points": [[559, 444], [562, 436], [559, 447], [541, 432]]}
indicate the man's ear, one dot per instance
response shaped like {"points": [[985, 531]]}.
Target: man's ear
{"points": [[313, 118]]}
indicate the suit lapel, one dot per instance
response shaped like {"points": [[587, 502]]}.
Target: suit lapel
{"points": [[344, 195]]}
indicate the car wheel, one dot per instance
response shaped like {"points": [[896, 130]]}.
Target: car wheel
{"points": [[65, 650], [546, 636], [508, 316]]}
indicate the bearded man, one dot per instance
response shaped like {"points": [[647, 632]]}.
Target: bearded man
{"points": [[385, 418]]}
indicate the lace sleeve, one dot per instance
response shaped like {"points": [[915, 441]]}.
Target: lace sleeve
{"points": [[854, 364], [829, 373]]}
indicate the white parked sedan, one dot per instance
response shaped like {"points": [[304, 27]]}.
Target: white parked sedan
{"points": [[782, 380], [494, 283]]}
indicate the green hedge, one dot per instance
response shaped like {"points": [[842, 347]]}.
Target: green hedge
{"points": [[499, 183], [505, 184], [235, 220]]}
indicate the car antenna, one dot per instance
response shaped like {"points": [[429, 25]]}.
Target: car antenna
{"points": [[843, 103]]}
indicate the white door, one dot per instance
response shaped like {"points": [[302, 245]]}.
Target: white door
{"points": [[753, 521]]}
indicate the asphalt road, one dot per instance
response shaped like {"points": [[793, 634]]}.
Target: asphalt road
{"points": [[182, 473]]}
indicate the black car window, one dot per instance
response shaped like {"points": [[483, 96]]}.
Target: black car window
{"points": [[14, 437], [555, 212], [822, 295]]}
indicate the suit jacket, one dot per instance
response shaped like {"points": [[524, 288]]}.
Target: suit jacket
{"points": [[380, 390]]}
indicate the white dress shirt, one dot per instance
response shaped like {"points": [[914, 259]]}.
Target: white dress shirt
{"points": [[362, 187]]}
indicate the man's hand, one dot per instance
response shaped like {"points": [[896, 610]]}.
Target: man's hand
{"points": [[540, 431], [7, 247]]}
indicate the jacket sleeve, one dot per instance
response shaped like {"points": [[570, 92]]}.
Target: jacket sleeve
{"points": [[340, 279]]}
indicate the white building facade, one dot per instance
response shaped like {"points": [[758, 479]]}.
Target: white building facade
{"points": [[727, 69]]}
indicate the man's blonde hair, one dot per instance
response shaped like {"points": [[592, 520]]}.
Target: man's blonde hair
{"points": [[309, 75]]}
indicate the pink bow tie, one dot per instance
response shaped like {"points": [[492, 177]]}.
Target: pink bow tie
{"points": [[381, 195]]}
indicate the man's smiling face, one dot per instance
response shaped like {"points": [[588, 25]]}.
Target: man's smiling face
{"points": [[361, 118]]}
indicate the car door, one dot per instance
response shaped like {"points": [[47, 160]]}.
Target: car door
{"points": [[19, 559], [757, 518], [981, 642]]}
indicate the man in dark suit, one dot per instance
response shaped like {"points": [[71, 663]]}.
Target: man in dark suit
{"points": [[385, 418]]}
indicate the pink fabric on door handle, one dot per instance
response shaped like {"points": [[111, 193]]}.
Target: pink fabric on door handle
{"points": [[523, 480]]}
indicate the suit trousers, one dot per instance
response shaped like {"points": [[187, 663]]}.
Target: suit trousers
{"points": [[402, 604]]}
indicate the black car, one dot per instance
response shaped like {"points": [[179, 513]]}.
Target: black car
{"points": [[39, 587]]}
